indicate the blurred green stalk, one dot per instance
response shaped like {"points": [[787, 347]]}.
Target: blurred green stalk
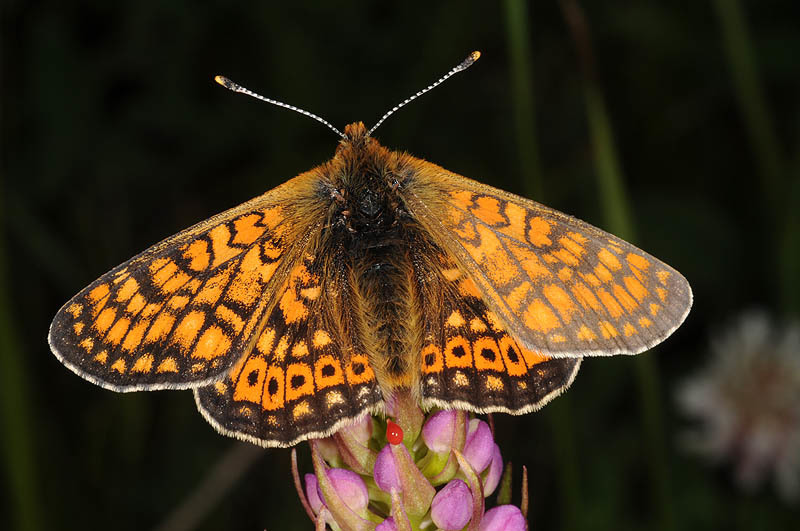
{"points": [[15, 412], [618, 221], [559, 417], [613, 195], [790, 248], [522, 97], [558, 412], [760, 128], [616, 209], [779, 193]]}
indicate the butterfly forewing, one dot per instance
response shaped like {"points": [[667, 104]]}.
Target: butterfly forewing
{"points": [[182, 312], [558, 285], [470, 362], [303, 378]]}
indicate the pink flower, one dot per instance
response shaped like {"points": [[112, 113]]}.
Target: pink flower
{"points": [[503, 518], [387, 525], [451, 508], [439, 432], [385, 472], [747, 402], [495, 472], [440, 476], [314, 499], [349, 487], [479, 446]]}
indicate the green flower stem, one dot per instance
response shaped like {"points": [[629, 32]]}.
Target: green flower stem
{"points": [[298, 485], [504, 490], [409, 417], [398, 513], [523, 504]]}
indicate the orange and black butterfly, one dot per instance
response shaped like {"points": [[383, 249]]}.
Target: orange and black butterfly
{"points": [[374, 273]]}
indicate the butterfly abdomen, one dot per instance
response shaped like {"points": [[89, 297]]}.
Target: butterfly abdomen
{"points": [[388, 316]]}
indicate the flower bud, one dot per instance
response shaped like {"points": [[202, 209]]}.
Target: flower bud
{"points": [[349, 487], [503, 518], [329, 451], [495, 472], [451, 508], [361, 429], [387, 525], [439, 431], [416, 482], [479, 446], [312, 493], [385, 473], [352, 443]]}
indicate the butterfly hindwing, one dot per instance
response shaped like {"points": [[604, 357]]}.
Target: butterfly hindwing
{"points": [[182, 312], [470, 362], [302, 378], [559, 285]]}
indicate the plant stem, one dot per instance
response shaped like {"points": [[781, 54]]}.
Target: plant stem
{"points": [[558, 413], [776, 190], [16, 412], [522, 97], [619, 220]]}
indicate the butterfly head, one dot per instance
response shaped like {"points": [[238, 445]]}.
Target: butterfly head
{"points": [[357, 150], [355, 134]]}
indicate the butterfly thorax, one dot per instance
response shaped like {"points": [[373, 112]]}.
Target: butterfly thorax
{"points": [[371, 233]]}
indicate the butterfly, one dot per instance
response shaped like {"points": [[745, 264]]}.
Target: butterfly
{"points": [[372, 274]]}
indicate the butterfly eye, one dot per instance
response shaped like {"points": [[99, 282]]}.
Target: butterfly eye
{"points": [[337, 195]]}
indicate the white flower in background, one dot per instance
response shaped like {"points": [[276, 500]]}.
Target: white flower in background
{"points": [[747, 403]]}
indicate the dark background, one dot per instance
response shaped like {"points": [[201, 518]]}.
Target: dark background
{"points": [[115, 136]]}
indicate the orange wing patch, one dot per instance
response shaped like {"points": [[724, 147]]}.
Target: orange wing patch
{"points": [[299, 381], [558, 284], [182, 312], [470, 361]]}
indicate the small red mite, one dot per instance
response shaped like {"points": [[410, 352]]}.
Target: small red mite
{"points": [[394, 433]]}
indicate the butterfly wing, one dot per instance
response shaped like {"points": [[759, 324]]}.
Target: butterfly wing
{"points": [[468, 359], [557, 284], [303, 378], [182, 312]]}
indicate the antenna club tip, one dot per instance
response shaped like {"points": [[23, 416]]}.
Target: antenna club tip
{"points": [[224, 81], [475, 55]]}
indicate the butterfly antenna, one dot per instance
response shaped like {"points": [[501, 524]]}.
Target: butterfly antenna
{"points": [[230, 85], [466, 63]]}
